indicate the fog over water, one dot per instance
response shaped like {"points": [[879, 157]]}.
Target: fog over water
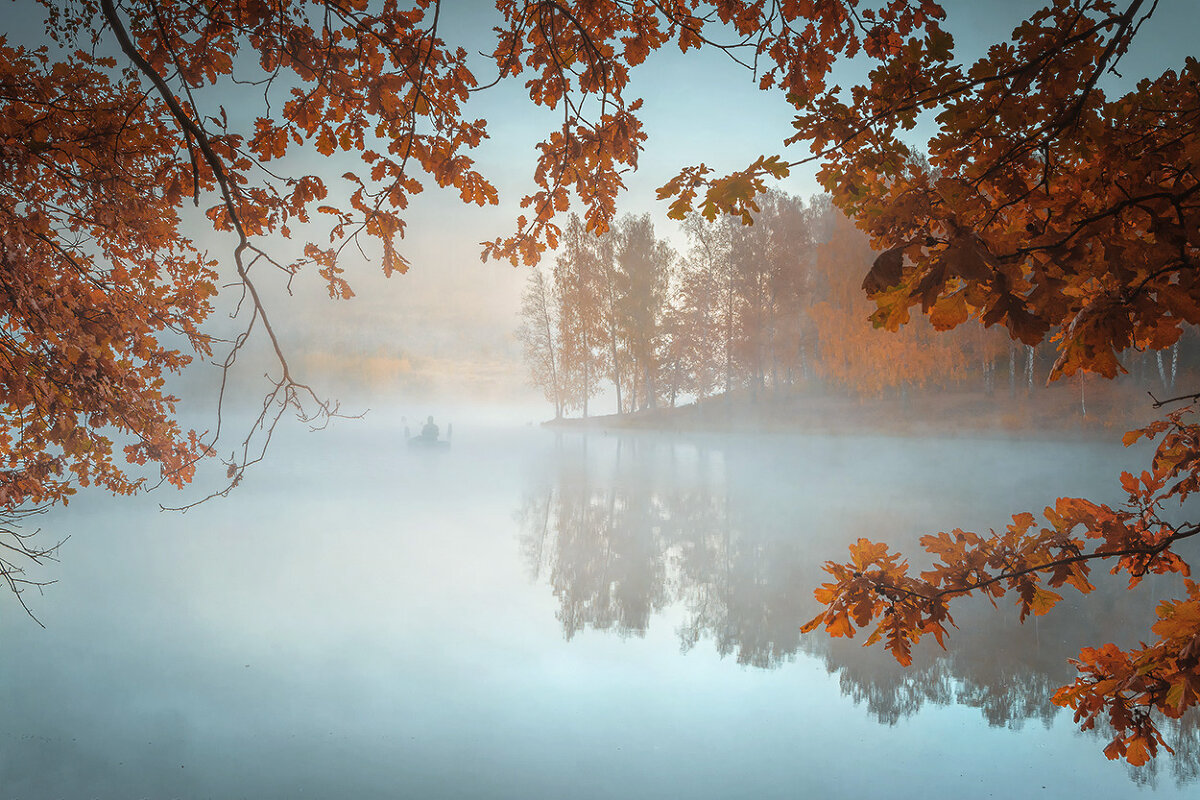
{"points": [[537, 615]]}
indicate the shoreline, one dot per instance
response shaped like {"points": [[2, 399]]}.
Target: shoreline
{"points": [[949, 415]]}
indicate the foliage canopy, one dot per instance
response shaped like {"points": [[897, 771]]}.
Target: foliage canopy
{"points": [[1041, 205]]}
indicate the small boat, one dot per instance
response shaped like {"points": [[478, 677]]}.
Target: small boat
{"points": [[426, 440], [432, 444]]}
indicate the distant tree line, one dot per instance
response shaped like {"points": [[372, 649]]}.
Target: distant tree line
{"points": [[772, 307]]}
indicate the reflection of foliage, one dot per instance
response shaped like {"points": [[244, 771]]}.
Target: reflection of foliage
{"points": [[1007, 678], [739, 590], [1183, 736], [601, 553], [608, 571], [892, 697], [1127, 691], [626, 532], [1018, 695]]}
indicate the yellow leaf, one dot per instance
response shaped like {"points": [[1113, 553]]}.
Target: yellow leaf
{"points": [[1043, 600]]}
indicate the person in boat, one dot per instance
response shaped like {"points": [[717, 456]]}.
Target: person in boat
{"points": [[429, 431]]}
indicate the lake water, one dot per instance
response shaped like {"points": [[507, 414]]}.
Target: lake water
{"points": [[531, 615]]}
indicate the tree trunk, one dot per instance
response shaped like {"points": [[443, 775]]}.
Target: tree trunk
{"points": [[558, 401], [635, 390], [1012, 368], [587, 387], [612, 322], [729, 334]]}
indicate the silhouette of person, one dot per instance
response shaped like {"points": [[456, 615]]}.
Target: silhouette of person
{"points": [[429, 432]]}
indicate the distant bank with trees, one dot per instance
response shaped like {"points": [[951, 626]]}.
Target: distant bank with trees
{"points": [[772, 311]]}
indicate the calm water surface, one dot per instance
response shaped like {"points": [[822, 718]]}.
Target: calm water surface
{"points": [[530, 615]]}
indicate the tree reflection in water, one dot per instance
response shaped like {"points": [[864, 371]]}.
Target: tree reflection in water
{"points": [[623, 528]]}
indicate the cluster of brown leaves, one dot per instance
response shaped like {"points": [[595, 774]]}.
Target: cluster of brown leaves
{"points": [[1040, 205], [585, 51], [93, 269], [1031, 562], [101, 153]]}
